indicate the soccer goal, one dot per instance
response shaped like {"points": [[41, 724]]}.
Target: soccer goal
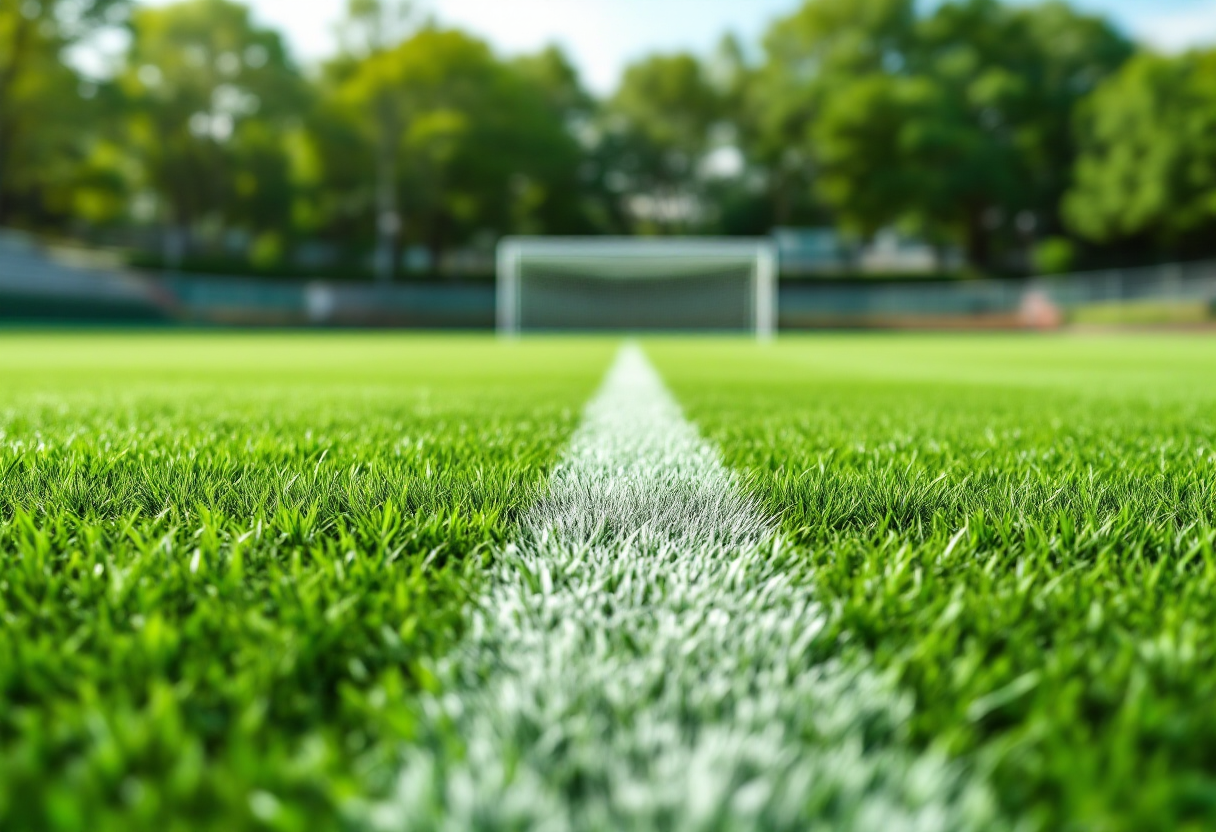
{"points": [[630, 283]]}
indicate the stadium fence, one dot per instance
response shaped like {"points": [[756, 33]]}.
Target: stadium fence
{"points": [[38, 286]]}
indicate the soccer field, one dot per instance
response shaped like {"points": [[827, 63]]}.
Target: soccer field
{"points": [[343, 581]]}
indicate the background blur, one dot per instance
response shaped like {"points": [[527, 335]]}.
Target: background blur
{"points": [[919, 164]]}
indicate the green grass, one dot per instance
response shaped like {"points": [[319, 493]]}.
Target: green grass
{"points": [[1020, 528], [1143, 313], [225, 560]]}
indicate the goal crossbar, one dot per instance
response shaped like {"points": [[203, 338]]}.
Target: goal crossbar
{"points": [[628, 259]]}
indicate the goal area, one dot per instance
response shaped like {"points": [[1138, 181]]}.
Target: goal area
{"points": [[632, 283]]}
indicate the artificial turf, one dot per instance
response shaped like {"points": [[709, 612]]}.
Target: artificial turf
{"points": [[226, 560], [1021, 529]]}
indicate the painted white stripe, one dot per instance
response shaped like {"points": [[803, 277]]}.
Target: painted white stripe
{"points": [[643, 661]]}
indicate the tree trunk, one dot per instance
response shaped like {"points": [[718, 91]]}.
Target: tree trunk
{"points": [[436, 240], [781, 200], [977, 238], [388, 218]]}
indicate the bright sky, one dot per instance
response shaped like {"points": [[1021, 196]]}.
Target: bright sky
{"points": [[602, 36]]}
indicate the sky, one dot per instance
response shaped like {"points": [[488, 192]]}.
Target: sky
{"points": [[603, 36]]}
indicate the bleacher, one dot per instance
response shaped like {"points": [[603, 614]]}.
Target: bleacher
{"points": [[39, 287]]}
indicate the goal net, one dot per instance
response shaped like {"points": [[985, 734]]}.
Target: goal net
{"points": [[629, 283]]}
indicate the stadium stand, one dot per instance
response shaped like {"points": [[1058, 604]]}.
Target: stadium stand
{"points": [[35, 287]]}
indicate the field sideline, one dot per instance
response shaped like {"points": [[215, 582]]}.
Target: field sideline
{"points": [[235, 569]]}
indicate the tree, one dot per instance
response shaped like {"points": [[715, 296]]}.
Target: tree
{"points": [[806, 54], [551, 72], [211, 97], [952, 124], [866, 138], [662, 116], [732, 183], [1147, 165], [372, 29], [1010, 78], [480, 147], [42, 101], [1070, 55]]}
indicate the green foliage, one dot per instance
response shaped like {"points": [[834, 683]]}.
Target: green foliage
{"points": [[867, 130], [226, 561], [1055, 255], [44, 105], [668, 101], [1148, 153], [474, 143], [826, 37], [823, 43], [964, 122], [551, 71], [1022, 530], [953, 124], [659, 126], [210, 96]]}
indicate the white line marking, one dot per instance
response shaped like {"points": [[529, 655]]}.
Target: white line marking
{"points": [[641, 661]]}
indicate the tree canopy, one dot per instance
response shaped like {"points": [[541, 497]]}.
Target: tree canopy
{"points": [[475, 142], [44, 103], [957, 124], [1147, 163], [993, 127], [209, 97]]}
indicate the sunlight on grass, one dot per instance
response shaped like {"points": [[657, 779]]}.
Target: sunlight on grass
{"points": [[1021, 528], [223, 559]]}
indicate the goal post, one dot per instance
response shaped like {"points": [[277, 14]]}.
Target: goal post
{"points": [[632, 283]]}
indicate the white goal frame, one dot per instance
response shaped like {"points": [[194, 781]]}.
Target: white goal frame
{"points": [[759, 252]]}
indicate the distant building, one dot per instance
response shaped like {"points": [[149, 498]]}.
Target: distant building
{"points": [[64, 284]]}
